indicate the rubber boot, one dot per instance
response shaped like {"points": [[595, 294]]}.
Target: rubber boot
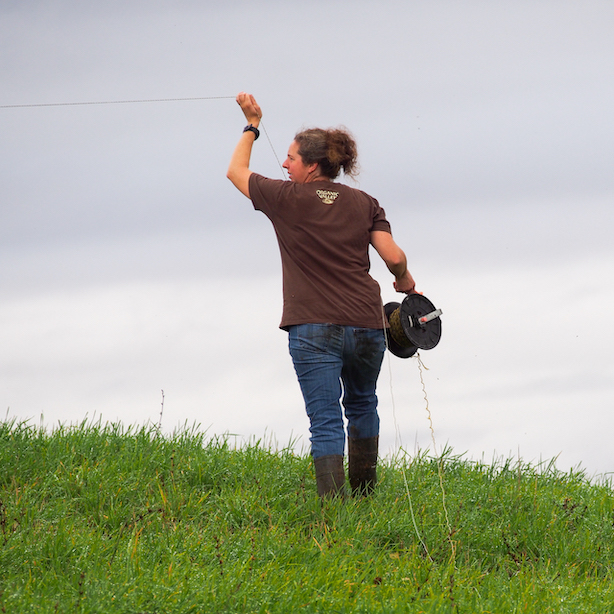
{"points": [[363, 464], [330, 475]]}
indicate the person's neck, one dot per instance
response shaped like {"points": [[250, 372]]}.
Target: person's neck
{"points": [[311, 179]]}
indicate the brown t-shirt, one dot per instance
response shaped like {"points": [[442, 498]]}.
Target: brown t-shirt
{"points": [[323, 229]]}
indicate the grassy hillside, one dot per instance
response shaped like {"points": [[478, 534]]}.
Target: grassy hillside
{"points": [[98, 518]]}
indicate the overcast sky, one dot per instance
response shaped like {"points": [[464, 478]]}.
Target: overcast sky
{"points": [[130, 264]]}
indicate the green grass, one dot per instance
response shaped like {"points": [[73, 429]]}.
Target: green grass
{"points": [[102, 518]]}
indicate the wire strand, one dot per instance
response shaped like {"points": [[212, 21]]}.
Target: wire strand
{"points": [[139, 101], [100, 102], [398, 442], [421, 368], [283, 171]]}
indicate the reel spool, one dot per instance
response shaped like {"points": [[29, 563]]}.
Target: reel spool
{"points": [[414, 324]]}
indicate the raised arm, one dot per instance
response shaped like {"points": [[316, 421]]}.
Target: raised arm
{"points": [[395, 260], [238, 170]]}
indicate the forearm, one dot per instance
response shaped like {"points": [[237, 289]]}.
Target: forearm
{"points": [[395, 260], [238, 169], [397, 263], [403, 280]]}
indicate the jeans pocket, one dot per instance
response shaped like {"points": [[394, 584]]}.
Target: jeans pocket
{"points": [[313, 339], [369, 343]]}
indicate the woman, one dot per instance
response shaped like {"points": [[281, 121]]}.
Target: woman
{"points": [[332, 307]]}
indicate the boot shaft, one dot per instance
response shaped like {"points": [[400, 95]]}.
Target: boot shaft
{"points": [[363, 464], [330, 475]]}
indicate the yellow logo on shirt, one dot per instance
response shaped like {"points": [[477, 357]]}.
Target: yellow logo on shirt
{"points": [[327, 196]]}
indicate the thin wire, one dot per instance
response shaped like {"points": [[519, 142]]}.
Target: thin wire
{"points": [[107, 102], [99, 102], [421, 367], [283, 171], [398, 442]]}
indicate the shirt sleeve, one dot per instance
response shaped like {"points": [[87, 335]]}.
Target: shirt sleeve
{"points": [[265, 193], [379, 219]]}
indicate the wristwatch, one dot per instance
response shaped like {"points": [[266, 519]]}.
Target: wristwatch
{"points": [[250, 128]]}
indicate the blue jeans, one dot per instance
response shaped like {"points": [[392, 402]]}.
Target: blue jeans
{"points": [[331, 360]]}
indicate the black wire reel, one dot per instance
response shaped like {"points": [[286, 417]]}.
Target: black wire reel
{"points": [[414, 324]]}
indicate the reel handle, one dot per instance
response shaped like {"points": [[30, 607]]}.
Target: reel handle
{"points": [[429, 316]]}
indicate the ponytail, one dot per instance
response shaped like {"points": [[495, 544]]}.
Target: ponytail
{"points": [[333, 149]]}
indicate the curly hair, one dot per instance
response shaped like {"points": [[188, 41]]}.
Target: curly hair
{"points": [[333, 149]]}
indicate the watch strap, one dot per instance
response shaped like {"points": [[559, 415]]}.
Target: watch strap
{"points": [[250, 128]]}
